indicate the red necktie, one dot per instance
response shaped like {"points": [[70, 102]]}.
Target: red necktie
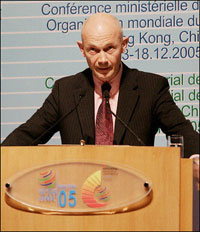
{"points": [[104, 122]]}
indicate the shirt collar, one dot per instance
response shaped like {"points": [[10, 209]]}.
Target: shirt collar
{"points": [[115, 82]]}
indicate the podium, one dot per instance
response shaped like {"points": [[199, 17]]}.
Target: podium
{"points": [[170, 208]]}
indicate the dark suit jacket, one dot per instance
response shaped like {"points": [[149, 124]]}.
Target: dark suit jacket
{"points": [[145, 104]]}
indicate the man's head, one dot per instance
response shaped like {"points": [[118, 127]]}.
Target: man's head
{"points": [[102, 44]]}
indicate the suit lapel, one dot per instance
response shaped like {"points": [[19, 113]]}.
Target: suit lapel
{"points": [[128, 98], [85, 109]]}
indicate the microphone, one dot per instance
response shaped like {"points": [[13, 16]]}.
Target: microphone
{"points": [[81, 95], [126, 126], [105, 93]]}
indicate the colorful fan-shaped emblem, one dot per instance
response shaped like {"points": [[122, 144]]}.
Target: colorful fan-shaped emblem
{"points": [[93, 194], [47, 179]]}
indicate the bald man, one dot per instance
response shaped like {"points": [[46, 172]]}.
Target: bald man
{"points": [[141, 100]]}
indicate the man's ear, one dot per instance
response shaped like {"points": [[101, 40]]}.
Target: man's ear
{"points": [[124, 44], [80, 44]]}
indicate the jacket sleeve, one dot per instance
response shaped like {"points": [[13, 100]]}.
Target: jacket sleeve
{"points": [[40, 122], [172, 121]]}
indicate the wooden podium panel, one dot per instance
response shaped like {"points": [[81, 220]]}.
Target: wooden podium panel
{"points": [[169, 210]]}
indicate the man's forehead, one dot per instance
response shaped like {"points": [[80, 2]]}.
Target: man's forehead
{"points": [[101, 40], [100, 30]]}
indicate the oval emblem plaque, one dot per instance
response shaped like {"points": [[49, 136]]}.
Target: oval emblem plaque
{"points": [[79, 188]]}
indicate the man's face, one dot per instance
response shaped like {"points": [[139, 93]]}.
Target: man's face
{"points": [[103, 53]]}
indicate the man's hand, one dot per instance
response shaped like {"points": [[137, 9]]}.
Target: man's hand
{"points": [[196, 171]]}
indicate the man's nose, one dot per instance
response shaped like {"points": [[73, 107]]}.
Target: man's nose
{"points": [[102, 58]]}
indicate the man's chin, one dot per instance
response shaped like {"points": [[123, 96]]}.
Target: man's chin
{"points": [[103, 77]]}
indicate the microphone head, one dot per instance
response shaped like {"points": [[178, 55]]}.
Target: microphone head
{"points": [[105, 90]]}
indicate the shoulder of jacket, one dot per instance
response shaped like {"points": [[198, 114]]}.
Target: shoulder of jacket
{"points": [[149, 76], [147, 80]]}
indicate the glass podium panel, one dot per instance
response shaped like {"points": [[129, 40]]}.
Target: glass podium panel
{"points": [[79, 188]]}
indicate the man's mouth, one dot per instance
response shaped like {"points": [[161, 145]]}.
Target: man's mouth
{"points": [[103, 69]]}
